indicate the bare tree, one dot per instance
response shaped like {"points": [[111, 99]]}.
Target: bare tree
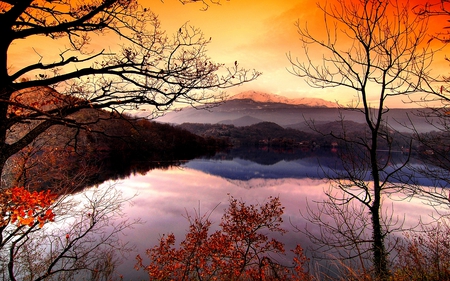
{"points": [[378, 50], [435, 9], [84, 237], [433, 146], [339, 233], [149, 68]]}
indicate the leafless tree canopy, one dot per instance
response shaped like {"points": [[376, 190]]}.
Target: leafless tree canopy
{"points": [[85, 239], [150, 68], [377, 50]]}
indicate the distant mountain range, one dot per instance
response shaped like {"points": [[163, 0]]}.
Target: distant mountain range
{"points": [[250, 108], [272, 98]]}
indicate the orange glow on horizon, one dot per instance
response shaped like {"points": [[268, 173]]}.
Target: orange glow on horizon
{"points": [[257, 33]]}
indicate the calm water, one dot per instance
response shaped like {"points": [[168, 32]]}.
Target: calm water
{"points": [[163, 197]]}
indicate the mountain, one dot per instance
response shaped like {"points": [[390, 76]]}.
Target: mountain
{"points": [[272, 98], [249, 108], [242, 121]]}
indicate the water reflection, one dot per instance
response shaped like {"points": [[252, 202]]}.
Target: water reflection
{"points": [[244, 170], [164, 197], [318, 165]]}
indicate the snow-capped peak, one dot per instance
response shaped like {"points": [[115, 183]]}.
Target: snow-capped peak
{"points": [[265, 97]]}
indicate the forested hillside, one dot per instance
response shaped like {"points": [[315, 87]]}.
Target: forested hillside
{"points": [[323, 135], [107, 146]]}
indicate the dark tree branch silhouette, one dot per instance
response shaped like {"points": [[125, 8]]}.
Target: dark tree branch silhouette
{"points": [[434, 145], [85, 238], [378, 50], [150, 68]]}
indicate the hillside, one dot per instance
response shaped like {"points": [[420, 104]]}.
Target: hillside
{"points": [[264, 134], [270, 135], [107, 146]]}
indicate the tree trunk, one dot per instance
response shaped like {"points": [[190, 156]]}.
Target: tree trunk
{"points": [[379, 252]]}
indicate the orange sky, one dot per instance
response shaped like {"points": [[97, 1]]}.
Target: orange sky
{"points": [[256, 33], [259, 34]]}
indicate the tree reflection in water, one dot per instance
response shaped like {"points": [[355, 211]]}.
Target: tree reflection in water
{"points": [[164, 196]]}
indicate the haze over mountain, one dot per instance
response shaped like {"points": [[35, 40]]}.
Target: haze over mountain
{"points": [[272, 98], [252, 107]]}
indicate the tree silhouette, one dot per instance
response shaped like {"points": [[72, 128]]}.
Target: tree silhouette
{"points": [[378, 50], [434, 145], [150, 68], [48, 237]]}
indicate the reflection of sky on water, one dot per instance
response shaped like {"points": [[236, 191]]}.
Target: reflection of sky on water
{"points": [[164, 197]]}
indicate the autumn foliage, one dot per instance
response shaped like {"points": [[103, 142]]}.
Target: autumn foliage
{"points": [[22, 207], [239, 250], [424, 254]]}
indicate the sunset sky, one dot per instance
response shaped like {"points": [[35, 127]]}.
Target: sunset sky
{"points": [[257, 33]]}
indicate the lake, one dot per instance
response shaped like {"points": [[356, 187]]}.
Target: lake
{"points": [[164, 196]]}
